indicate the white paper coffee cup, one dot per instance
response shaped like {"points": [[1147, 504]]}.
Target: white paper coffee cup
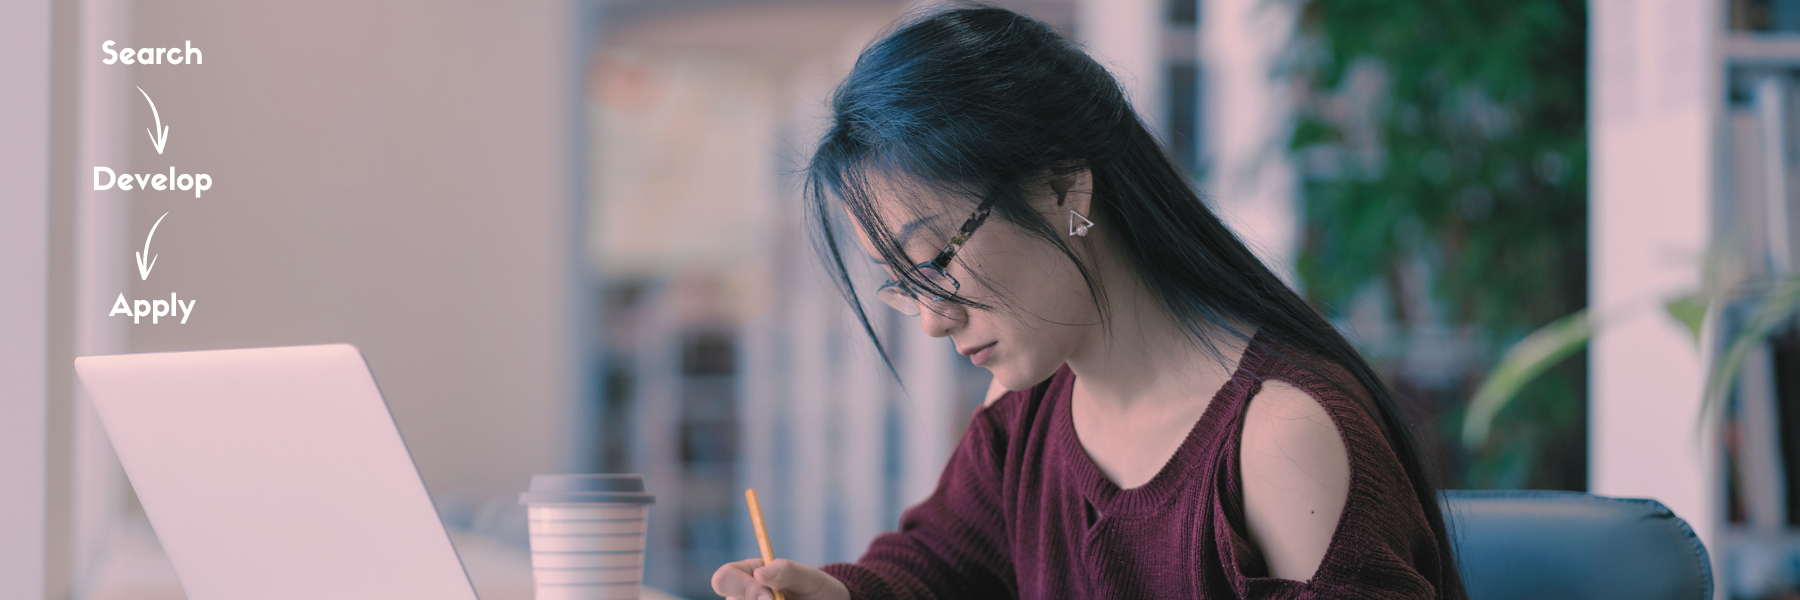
{"points": [[587, 535]]}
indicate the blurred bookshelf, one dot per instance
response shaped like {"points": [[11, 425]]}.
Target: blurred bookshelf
{"points": [[1762, 49], [1759, 548]]}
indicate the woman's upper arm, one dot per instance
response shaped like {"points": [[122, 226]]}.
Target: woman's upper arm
{"points": [[1295, 477]]}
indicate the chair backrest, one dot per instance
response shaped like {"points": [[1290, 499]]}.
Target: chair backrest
{"points": [[1543, 544]]}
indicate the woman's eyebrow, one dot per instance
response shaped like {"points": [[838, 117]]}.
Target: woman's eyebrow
{"points": [[905, 233], [913, 227]]}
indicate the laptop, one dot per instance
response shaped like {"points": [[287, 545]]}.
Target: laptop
{"points": [[274, 473]]}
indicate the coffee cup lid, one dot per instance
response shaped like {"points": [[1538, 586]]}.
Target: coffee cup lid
{"points": [[616, 488]]}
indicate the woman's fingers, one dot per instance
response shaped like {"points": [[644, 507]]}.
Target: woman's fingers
{"points": [[749, 579], [736, 582], [803, 581], [784, 574]]}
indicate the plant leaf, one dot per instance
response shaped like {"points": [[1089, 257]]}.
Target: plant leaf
{"points": [[1776, 307], [1523, 363], [1690, 310]]}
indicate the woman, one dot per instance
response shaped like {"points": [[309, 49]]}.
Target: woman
{"points": [[1180, 423]]}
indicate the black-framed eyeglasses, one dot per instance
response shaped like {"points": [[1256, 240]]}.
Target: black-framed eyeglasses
{"points": [[906, 297]]}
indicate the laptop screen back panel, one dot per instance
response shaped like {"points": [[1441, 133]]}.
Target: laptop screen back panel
{"points": [[274, 473]]}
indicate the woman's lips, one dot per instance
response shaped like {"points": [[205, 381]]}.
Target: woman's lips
{"points": [[980, 355]]}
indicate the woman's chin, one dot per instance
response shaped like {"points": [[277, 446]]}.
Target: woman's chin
{"points": [[1015, 379], [1003, 377]]}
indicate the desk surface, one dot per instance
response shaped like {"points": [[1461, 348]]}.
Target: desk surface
{"points": [[137, 569]]}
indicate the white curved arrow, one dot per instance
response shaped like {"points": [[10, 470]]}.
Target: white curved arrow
{"points": [[143, 269], [154, 140]]}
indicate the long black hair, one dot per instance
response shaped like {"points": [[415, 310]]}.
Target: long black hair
{"points": [[987, 104]]}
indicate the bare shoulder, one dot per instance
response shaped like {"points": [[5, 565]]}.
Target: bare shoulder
{"points": [[1291, 426], [1295, 477]]}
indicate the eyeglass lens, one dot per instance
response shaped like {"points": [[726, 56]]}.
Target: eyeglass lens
{"points": [[904, 298]]}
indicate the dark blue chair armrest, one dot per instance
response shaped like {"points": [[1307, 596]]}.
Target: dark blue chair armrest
{"points": [[1542, 544]]}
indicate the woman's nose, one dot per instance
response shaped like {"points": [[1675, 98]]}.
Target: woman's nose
{"points": [[939, 319]]}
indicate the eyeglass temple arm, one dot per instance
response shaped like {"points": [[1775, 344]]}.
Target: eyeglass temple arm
{"points": [[963, 233]]}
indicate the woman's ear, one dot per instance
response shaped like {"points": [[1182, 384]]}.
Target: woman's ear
{"points": [[1074, 191]]}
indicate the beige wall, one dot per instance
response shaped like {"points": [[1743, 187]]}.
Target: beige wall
{"points": [[24, 282], [391, 174]]}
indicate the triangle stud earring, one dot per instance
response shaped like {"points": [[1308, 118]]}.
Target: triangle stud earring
{"points": [[1079, 228]]}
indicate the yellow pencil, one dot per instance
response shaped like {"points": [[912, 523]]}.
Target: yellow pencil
{"points": [[762, 533]]}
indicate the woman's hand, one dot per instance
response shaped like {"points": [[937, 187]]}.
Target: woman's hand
{"points": [[748, 579]]}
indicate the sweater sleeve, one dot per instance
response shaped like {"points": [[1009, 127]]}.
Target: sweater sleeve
{"points": [[953, 544]]}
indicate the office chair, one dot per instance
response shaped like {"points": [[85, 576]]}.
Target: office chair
{"points": [[1541, 544]]}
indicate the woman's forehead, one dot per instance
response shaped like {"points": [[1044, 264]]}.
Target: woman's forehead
{"points": [[906, 209], [902, 232]]}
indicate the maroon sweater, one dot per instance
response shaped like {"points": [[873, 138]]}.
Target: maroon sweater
{"points": [[1022, 512]]}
